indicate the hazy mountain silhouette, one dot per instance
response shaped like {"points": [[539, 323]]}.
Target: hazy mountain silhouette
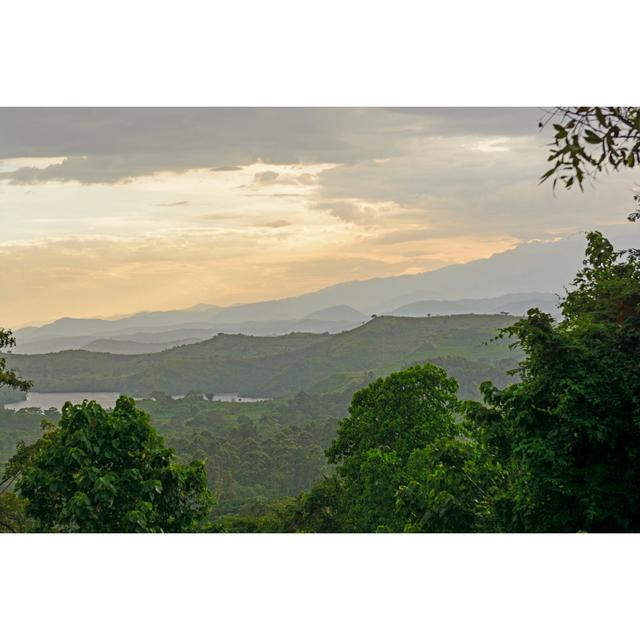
{"points": [[513, 304], [503, 282]]}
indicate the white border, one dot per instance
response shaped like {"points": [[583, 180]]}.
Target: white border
{"points": [[320, 586], [318, 53], [140, 52]]}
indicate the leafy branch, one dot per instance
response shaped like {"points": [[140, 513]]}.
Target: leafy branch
{"points": [[589, 140]]}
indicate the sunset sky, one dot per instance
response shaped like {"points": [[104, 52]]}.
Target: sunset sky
{"points": [[112, 211]]}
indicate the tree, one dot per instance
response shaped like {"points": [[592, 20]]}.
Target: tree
{"points": [[449, 487], [388, 421], [567, 435], [11, 507], [405, 462], [321, 510], [109, 471], [588, 140], [9, 377]]}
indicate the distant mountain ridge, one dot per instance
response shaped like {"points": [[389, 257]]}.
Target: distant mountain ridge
{"points": [[67, 327], [473, 287], [339, 313], [514, 304], [129, 347]]}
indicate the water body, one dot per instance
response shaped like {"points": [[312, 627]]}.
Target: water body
{"points": [[48, 400], [227, 397], [106, 398], [234, 397]]}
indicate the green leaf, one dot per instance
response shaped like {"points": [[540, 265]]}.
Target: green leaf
{"points": [[591, 137], [561, 132]]}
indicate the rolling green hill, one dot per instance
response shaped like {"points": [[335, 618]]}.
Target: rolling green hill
{"points": [[282, 365]]}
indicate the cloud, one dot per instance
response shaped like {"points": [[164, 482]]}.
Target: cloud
{"points": [[274, 224], [476, 121], [111, 145], [366, 212], [448, 169], [88, 170], [402, 235], [339, 268], [347, 210], [476, 184], [364, 192], [276, 195], [265, 177], [179, 203]]}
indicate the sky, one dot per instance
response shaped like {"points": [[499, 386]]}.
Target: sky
{"points": [[107, 212]]}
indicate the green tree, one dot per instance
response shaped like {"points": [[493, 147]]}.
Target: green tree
{"points": [[321, 509], [388, 421], [12, 516], [449, 487], [109, 471], [568, 433], [589, 140], [9, 377]]}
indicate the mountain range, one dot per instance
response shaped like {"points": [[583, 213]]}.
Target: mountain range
{"points": [[532, 274]]}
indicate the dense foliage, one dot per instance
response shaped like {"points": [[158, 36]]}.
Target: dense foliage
{"points": [[556, 451], [253, 453], [109, 471], [256, 452], [589, 140], [8, 377], [11, 506], [568, 434], [284, 440], [387, 422]]}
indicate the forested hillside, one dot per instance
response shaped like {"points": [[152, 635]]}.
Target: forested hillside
{"points": [[253, 452], [278, 366], [258, 452]]}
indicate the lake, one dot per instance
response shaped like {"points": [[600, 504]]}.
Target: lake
{"points": [[47, 400], [106, 398], [227, 397]]}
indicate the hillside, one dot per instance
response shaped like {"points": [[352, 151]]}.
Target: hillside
{"points": [[277, 366], [514, 304], [109, 345], [108, 334]]}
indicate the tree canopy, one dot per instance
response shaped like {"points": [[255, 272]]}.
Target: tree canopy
{"points": [[568, 433], [9, 377], [11, 506], [411, 411], [109, 471]]}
